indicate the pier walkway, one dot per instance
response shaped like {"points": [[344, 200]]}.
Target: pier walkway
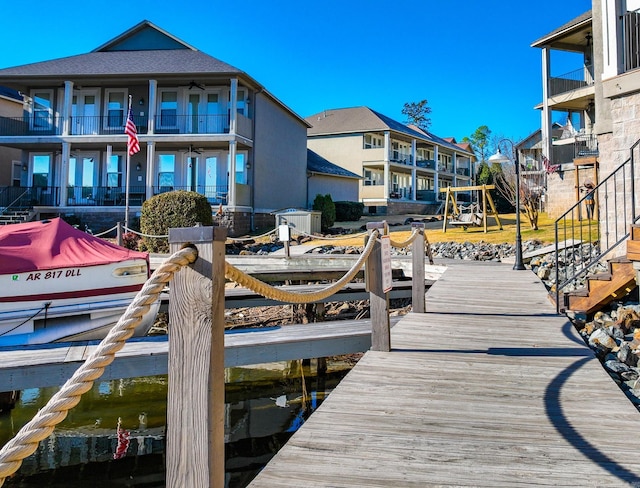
{"points": [[488, 388]]}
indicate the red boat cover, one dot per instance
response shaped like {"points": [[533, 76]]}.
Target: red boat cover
{"points": [[51, 244]]}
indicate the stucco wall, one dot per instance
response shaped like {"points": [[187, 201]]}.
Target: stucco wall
{"points": [[344, 150], [280, 153]]}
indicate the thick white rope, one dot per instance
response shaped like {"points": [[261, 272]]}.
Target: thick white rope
{"points": [[42, 425]]}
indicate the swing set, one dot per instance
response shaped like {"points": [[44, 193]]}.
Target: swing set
{"points": [[471, 215]]}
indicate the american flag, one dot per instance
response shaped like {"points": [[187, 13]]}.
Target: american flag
{"points": [[548, 167], [133, 145]]}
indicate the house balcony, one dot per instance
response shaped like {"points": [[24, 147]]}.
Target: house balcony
{"points": [[631, 41], [574, 80], [580, 146], [462, 171], [426, 163], [40, 125]]}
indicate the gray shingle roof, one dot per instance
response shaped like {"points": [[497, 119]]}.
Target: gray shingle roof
{"points": [[318, 164], [125, 63], [363, 119]]}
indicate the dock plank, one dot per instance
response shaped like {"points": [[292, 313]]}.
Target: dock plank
{"points": [[488, 388], [53, 364]]}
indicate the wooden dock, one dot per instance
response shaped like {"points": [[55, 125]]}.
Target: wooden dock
{"points": [[488, 388], [53, 364]]}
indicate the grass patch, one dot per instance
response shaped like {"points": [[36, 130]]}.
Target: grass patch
{"points": [[545, 233]]}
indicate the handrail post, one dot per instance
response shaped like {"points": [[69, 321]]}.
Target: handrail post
{"points": [[378, 299], [417, 273], [119, 234], [195, 404]]}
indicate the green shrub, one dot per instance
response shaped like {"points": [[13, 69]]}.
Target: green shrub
{"points": [[349, 211], [171, 210], [328, 208]]}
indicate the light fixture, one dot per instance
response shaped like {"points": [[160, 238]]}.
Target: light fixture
{"points": [[24, 167], [138, 167], [141, 101], [501, 159]]}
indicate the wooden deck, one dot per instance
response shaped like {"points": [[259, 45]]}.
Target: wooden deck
{"points": [[488, 388]]}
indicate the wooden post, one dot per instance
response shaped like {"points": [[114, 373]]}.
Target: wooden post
{"points": [[119, 234], [417, 273], [195, 404], [378, 299]]}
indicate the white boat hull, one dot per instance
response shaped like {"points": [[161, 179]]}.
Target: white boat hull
{"points": [[68, 304]]}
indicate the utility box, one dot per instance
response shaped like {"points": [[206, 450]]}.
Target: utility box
{"points": [[303, 221]]}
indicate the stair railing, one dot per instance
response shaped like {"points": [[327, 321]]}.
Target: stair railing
{"points": [[615, 208]]}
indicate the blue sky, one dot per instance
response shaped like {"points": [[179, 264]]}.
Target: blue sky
{"points": [[470, 59]]}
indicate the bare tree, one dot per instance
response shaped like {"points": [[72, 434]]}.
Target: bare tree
{"points": [[531, 190]]}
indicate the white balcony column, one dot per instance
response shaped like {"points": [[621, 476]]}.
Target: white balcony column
{"points": [[414, 173], [153, 93], [454, 166], [231, 195], [387, 150], [64, 172], [66, 107], [547, 140], [151, 155], [233, 109], [436, 183]]}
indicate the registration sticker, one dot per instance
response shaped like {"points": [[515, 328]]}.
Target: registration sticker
{"points": [[15, 278]]}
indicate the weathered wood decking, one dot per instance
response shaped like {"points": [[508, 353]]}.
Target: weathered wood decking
{"points": [[488, 388]]}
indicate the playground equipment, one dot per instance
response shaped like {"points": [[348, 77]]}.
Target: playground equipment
{"points": [[471, 215]]}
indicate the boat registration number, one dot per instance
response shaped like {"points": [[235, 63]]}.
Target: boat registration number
{"points": [[54, 274]]}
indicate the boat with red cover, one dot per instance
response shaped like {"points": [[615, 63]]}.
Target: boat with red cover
{"points": [[59, 283]]}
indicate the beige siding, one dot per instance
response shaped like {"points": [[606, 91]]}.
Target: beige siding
{"points": [[280, 148], [345, 151], [340, 189]]}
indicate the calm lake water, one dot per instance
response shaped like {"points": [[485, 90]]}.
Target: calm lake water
{"points": [[265, 405]]}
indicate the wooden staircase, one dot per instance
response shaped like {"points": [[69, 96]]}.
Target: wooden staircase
{"points": [[603, 288]]}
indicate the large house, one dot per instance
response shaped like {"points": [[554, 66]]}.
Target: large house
{"points": [[571, 97], [402, 167], [203, 125], [602, 98]]}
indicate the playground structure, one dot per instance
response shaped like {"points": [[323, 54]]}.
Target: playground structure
{"points": [[470, 215]]}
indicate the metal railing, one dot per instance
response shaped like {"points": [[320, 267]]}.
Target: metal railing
{"points": [[615, 209], [215, 194], [25, 197], [103, 196], [631, 40], [38, 125], [573, 80]]}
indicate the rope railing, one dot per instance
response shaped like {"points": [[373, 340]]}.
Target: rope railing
{"points": [[268, 291], [115, 227], [55, 411]]}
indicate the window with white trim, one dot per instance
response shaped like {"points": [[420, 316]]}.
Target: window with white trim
{"points": [[373, 141], [115, 107], [372, 177]]}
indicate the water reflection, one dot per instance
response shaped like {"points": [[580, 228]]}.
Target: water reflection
{"points": [[115, 436]]}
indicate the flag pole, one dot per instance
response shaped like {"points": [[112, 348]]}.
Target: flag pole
{"points": [[126, 192]]}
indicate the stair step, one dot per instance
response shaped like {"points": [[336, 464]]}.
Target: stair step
{"points": [[602, 288]]}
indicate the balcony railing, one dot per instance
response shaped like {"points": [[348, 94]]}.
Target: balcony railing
{"points": [[22, 197], [400, 158], [462, 171], [32, 125], [571, 81], [631, 40], [426, 163], [584, 146]]}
